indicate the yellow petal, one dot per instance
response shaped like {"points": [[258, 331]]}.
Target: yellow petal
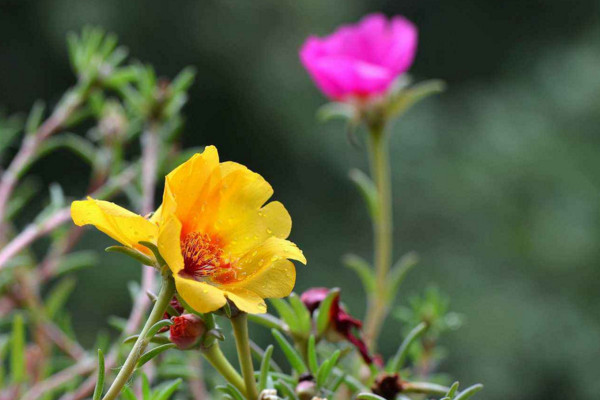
{"points": [[189, 182], [169, 244], [120, 224], [275, 280], [247, 301], [201, 296]]}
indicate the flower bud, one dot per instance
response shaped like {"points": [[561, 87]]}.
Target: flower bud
{"points": [[177, 307], [306, 388], [186, 331]]}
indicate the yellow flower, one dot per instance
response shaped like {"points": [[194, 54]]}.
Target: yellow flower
{"points": [[213, 231]]}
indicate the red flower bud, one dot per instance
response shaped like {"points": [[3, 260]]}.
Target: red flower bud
{"points": [[177, 307], [186, 331], [341, 322]]}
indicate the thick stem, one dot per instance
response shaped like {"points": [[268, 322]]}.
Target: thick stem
{"points": [[217, 359], [382, 226], [164, 297], [242, 342]]}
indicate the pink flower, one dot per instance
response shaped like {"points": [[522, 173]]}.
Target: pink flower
{"points": [[361, 60]]}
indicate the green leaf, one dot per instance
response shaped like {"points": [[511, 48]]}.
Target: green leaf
{"points": [[396, 363], [285, 390], [168, 390], [406, 98], [286, 313], [150, 354], [302, 314], [58, 296], [290, 353], [368, 396], [117, 322], [128, 394], [337, 110], [4, 345], [453, 389], [34, 120], [157, 327], [146, 392], [363, 270], [77, 145], [259, 354], [100, 377], [268, 321], [184, 79], [323, 317], [312, 355], [468, 392], [136, 255], [231, 391], [17, 350], [326, 368], [75, 261], [399, 272], [155, 339], [152, 247], [264, 368], [367, 189]]}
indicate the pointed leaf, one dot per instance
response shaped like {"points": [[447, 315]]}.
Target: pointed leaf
{"points": [[468, 392], [326, 368], [290, 353], [302, 314], [453, 389], [149, 355], [157, 327], [264, 368], [168, 390], [336, 110], [367, 189], [363, 270], [17, 350], [406, 98], [323, 317], [136, 255], [368, 396], [286, 313], [399, 272], [100, 377], [396, 363], [312, 355]]}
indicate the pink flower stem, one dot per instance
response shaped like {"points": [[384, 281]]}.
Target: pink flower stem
{"points": [[382, 226]]}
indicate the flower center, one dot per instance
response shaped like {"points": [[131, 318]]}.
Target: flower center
{"points": [[203, 258]]}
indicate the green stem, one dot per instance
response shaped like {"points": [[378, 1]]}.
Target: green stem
{"points": [[382, 226], [217, 359], [242, 342], [164, 297]]}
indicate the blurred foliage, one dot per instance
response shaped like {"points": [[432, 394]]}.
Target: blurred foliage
{"points": [[496, 180]]}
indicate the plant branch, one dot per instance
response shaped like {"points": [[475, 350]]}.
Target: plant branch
{"points": [[164, 297], [382, 226], [242, 342]]}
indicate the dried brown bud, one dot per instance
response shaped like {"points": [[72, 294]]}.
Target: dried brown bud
{"points": [[387, 386]]}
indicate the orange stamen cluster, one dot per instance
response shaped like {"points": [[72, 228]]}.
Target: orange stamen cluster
{"points": [[203, 257]]}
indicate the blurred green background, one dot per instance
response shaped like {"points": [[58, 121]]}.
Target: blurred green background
{"points": [[496, 181]]}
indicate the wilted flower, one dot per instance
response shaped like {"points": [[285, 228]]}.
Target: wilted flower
{"points": [[186, 331], [342, 324], [387, 386], [361, 60], [213, 231]]}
